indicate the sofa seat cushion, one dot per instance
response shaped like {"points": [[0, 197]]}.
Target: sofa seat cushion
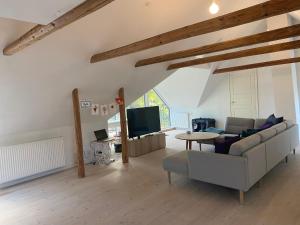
{"points": [[238, 148], [177, 163], [279, 127], [267, 134]]}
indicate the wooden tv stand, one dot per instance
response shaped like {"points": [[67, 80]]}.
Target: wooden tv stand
{"points": [[146, 144]]}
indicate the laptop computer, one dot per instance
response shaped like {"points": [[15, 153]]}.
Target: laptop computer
{"points": [[101, 135]]}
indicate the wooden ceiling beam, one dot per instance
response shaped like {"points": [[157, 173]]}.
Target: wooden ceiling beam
{"points": [[240, 17], [239, 54], [257, 65], [41, 31], [274, 35]]}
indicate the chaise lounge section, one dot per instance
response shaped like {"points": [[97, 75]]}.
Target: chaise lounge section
{"points": [[246, 163]]}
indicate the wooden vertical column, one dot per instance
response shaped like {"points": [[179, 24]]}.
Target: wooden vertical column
{"points": [[78, 132], [123, 126]]}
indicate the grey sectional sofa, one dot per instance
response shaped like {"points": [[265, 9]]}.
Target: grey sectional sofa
{"points": [[247, 162]]}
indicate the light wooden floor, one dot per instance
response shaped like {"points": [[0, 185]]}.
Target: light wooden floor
{"points": [[139, 194]]}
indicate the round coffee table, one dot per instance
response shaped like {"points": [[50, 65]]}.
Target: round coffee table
{"points": [[196, 136]]}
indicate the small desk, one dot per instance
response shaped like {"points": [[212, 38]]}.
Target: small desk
{"points": [[102, 151], [196, 136]]}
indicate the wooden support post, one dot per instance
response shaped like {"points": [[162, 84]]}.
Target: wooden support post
{"points": [[76, 109], [123, 127]]}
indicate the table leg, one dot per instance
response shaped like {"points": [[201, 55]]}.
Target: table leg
{"points": [[200, 146], [186, 144], [190, 145]]}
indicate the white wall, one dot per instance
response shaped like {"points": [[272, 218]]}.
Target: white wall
{"points": [[217, 102], [283, 92], [67, 132], [266, 101]]}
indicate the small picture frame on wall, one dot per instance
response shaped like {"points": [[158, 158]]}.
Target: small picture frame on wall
{"points": [[104, 110], [112, 108], [95, 109], [85, 104]]}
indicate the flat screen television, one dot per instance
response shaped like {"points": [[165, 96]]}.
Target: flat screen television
{"points": [[143, 121]]}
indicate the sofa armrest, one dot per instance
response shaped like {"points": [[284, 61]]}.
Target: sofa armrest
{"points": [[294, 135], [225, 170], [256, 163]]}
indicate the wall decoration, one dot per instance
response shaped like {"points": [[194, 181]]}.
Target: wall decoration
{"points": [[85, 104], [119, 101], [104, 110], [95, 109], [112, 108]]}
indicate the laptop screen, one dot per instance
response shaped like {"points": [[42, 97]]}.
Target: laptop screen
{"points": [[101, 134]]}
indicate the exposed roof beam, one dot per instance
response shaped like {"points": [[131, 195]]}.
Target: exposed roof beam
{"points": [[273, 35], [247, 15], [239, 54], [257, 65], [41, 31]]}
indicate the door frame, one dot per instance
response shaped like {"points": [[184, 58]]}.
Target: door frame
{"points": [[255, 73]]}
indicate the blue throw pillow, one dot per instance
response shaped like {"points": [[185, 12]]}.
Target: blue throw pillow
{"points": [[279, 120], [266, 126], [249, 132], [271, 119]]}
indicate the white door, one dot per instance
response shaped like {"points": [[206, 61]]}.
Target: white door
{"points": [[243, 94]]}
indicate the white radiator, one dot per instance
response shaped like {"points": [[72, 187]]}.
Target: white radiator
{"points": [[21, 161]]}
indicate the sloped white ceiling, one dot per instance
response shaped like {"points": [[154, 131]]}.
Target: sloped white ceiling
{"points": [[36, 11], [296, 15], [36, 83], [182, 90]]}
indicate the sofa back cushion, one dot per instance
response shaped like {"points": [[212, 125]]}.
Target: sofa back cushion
{"points": [[267, 134], [289, 123], [258, 123], [235, 125], [279, 127], [238, 148]]}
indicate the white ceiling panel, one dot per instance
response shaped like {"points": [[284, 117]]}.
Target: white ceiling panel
{"points": [[36, 11]]}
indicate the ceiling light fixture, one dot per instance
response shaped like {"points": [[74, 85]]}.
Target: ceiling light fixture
{"points": [[214, 7]]}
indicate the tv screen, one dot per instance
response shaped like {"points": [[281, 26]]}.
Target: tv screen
{"points": [[143, 121]]}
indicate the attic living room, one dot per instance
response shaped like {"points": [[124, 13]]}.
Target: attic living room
{"points": [[190, 116]]}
